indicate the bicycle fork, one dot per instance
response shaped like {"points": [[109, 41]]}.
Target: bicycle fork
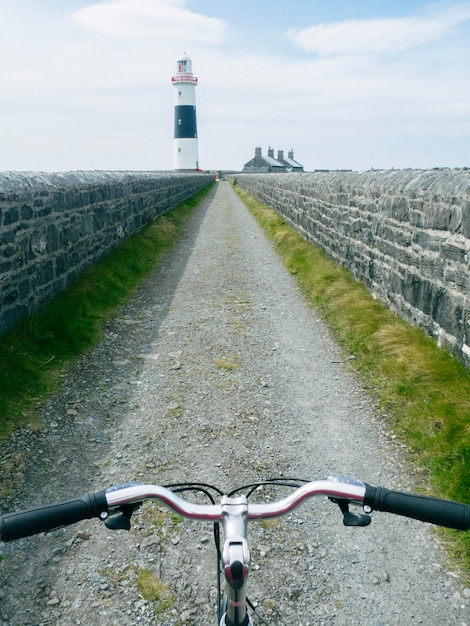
{"points": [[235, 560]]}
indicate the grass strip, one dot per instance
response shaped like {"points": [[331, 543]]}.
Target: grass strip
{"points": [[36, 351], [422, 390]]}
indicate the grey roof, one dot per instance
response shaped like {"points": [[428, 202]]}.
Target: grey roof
{"points": [[272, 162], [263, 163], [292, 163]]}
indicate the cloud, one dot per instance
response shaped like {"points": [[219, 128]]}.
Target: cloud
{"points": [[160, 19], [379, 35], [92, 88]]}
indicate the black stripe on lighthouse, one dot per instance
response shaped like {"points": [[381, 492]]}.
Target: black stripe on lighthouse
{"points": [[185, 122]]}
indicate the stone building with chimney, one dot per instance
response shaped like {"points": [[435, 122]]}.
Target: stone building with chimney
{"points": [[263, 164]]}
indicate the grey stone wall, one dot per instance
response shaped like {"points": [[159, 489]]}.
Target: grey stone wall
{"points": [[53, 226], [404, 233]]}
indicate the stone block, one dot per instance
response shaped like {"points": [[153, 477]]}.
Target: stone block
{"points": [[10, 215], [465, 222], [455, 251]]}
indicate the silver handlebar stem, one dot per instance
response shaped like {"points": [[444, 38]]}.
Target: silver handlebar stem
{"points": [[235, 558]]}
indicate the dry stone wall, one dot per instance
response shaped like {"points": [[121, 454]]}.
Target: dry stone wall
{"points": [[404, 233], [53, 226]]}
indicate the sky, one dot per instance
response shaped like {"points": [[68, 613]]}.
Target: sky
{"points": [[346, 84]]}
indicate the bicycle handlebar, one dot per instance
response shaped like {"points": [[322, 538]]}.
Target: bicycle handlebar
{"points": [[433, 510], [45, 518], [50, 517]]}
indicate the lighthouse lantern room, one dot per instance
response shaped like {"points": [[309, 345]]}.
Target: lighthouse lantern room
{"points": [[185, 148]]}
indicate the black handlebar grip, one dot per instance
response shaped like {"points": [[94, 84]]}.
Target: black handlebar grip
{"points": [[44, 518], [433, 510]]}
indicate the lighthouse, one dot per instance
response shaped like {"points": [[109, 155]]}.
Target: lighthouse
{"points": [[185, 149]]}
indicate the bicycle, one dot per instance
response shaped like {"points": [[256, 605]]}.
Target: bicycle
{"points": [[116, 505]]}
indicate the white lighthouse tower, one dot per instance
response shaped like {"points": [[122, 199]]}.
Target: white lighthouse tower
{"points": [[185, 149]]}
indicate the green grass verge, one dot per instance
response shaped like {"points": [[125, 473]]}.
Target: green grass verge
{"points": [[423, 391], [36, 352]]}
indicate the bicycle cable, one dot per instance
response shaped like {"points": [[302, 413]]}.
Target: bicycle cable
{"points": [[197, 487], [280, 482]]}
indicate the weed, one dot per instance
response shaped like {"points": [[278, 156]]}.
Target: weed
{"points": [[266, 524], [158, 516], [228, 363], [153, 589]]}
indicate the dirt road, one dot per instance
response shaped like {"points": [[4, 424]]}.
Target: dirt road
{"points": [[217, 372]]}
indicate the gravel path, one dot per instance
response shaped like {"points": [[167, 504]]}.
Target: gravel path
{"points": [[217, 372]]}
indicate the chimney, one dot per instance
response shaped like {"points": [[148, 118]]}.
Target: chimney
{"points": [[271, 152], [291, 154], [280, 155], [257, 152]]}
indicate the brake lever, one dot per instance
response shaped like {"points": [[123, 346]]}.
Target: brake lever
{"points": [[349, 518], [122, 519]]}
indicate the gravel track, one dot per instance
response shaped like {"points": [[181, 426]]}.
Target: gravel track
{"points": [[217, 371]]}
